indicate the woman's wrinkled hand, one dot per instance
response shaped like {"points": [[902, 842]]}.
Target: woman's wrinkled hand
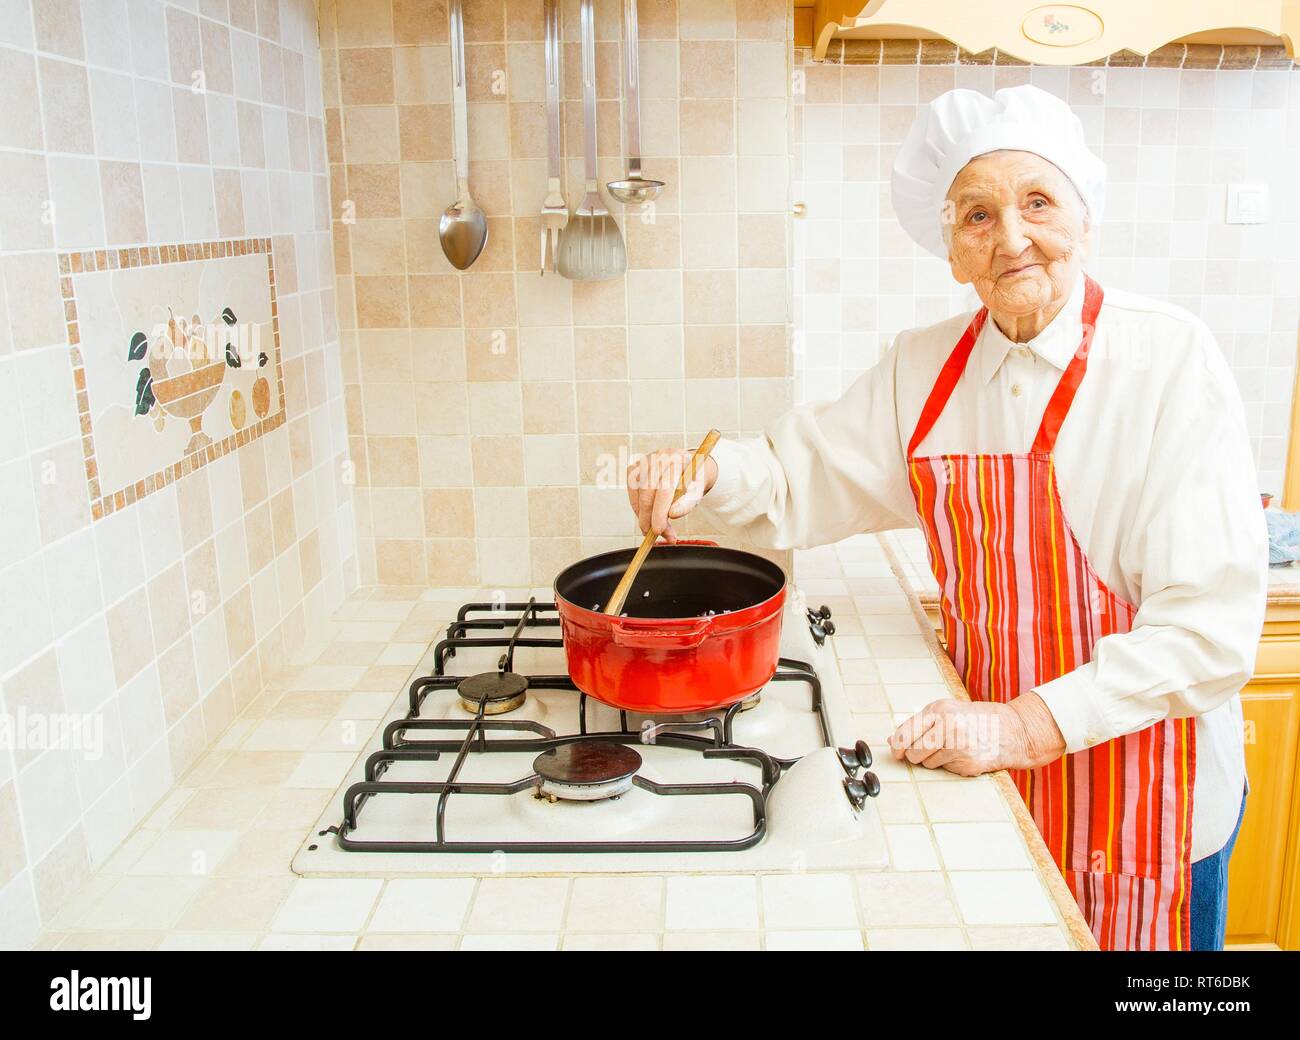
{"points": [[973, 737], [652, 481]]}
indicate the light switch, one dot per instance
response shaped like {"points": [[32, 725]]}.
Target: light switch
{"points": [[1247, 204]]}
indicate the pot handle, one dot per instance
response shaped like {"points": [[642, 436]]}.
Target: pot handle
{"points": [[680, 637]]}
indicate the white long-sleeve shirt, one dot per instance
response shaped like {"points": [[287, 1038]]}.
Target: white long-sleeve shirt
{"points": [[1156, 477]]}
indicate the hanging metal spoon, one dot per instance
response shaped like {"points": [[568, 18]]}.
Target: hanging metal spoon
{"points": [[634, 188], [463, 228]]}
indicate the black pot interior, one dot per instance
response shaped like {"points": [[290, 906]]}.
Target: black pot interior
{"points": [[675, 581]]}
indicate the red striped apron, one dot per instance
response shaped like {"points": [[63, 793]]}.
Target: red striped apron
{"points": [[1021, 605]]}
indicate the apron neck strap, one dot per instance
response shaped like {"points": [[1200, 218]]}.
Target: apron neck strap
{"points": [[1061, 399], [1063, 395], [947, 381]]}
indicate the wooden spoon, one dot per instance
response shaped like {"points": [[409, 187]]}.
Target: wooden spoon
{"points": [[616, 601]]}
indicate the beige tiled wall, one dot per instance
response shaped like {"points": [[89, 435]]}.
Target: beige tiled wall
{"points": [[481, 405], [165, 618], [1172, 138]]}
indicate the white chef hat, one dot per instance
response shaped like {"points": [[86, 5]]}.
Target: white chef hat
{"points": [[957, 126]]}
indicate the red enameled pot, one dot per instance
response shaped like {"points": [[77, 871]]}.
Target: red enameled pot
{"points": [[669, 654]]}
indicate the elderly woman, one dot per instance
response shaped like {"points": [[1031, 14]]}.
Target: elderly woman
{"points": [[1079, 463]]}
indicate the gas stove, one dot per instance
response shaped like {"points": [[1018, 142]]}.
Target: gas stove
{"points": [[493, 761]]}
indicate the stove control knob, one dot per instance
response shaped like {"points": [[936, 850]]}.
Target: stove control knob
{"points": [[815, 627], [820, 624], [863, 753], [855, 758], [859, 791]]}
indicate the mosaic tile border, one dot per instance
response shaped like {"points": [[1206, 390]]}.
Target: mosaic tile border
{"points": [[103, 503], [1206, 56]]}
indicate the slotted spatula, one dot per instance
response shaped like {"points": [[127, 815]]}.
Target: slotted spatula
{"points": [[616, 601], [591, 245]]}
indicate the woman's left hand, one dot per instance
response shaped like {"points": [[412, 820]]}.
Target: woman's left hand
{"points": [[974, 737]]}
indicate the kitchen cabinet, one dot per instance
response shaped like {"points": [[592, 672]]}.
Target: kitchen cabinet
{"points": [[1076, 34], [1264, 876]]}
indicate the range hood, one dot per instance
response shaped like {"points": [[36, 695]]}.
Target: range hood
{"points": [[1059, 34]]}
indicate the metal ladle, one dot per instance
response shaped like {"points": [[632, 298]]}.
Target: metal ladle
{"points": [[463, 228], [634, 188]]}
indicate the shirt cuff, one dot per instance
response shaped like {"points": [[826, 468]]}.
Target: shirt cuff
{"points": [[727, 454], [1076, 708]]}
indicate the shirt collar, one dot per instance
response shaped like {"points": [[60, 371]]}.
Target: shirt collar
{"points": [[1056, 344]]}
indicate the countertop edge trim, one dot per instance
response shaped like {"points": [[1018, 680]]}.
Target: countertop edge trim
{"points": [[1069, 910]]}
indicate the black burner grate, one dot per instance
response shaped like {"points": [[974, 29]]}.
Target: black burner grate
{"points": [[512, 625]]}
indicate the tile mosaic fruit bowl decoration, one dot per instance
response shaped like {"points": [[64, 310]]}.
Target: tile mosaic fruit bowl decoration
{"points": [[176, 359]]}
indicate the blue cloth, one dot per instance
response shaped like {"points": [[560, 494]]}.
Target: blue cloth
{"points": [[1283, 536], [1209, 903]]}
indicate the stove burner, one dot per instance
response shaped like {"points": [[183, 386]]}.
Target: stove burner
{"points": [[586, 771], [497, 692], [752, 701]]}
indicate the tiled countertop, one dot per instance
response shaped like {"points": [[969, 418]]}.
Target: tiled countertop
{"points": [[210, 867], [1284, 584]]}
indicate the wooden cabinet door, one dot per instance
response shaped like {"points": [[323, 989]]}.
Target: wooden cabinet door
{"points": [[1258, 866]]}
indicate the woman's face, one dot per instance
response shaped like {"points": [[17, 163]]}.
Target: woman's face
{"points": [[1017, 231]]}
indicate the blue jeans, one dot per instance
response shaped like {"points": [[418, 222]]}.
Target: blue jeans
{"points": [[1209, 903]]}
